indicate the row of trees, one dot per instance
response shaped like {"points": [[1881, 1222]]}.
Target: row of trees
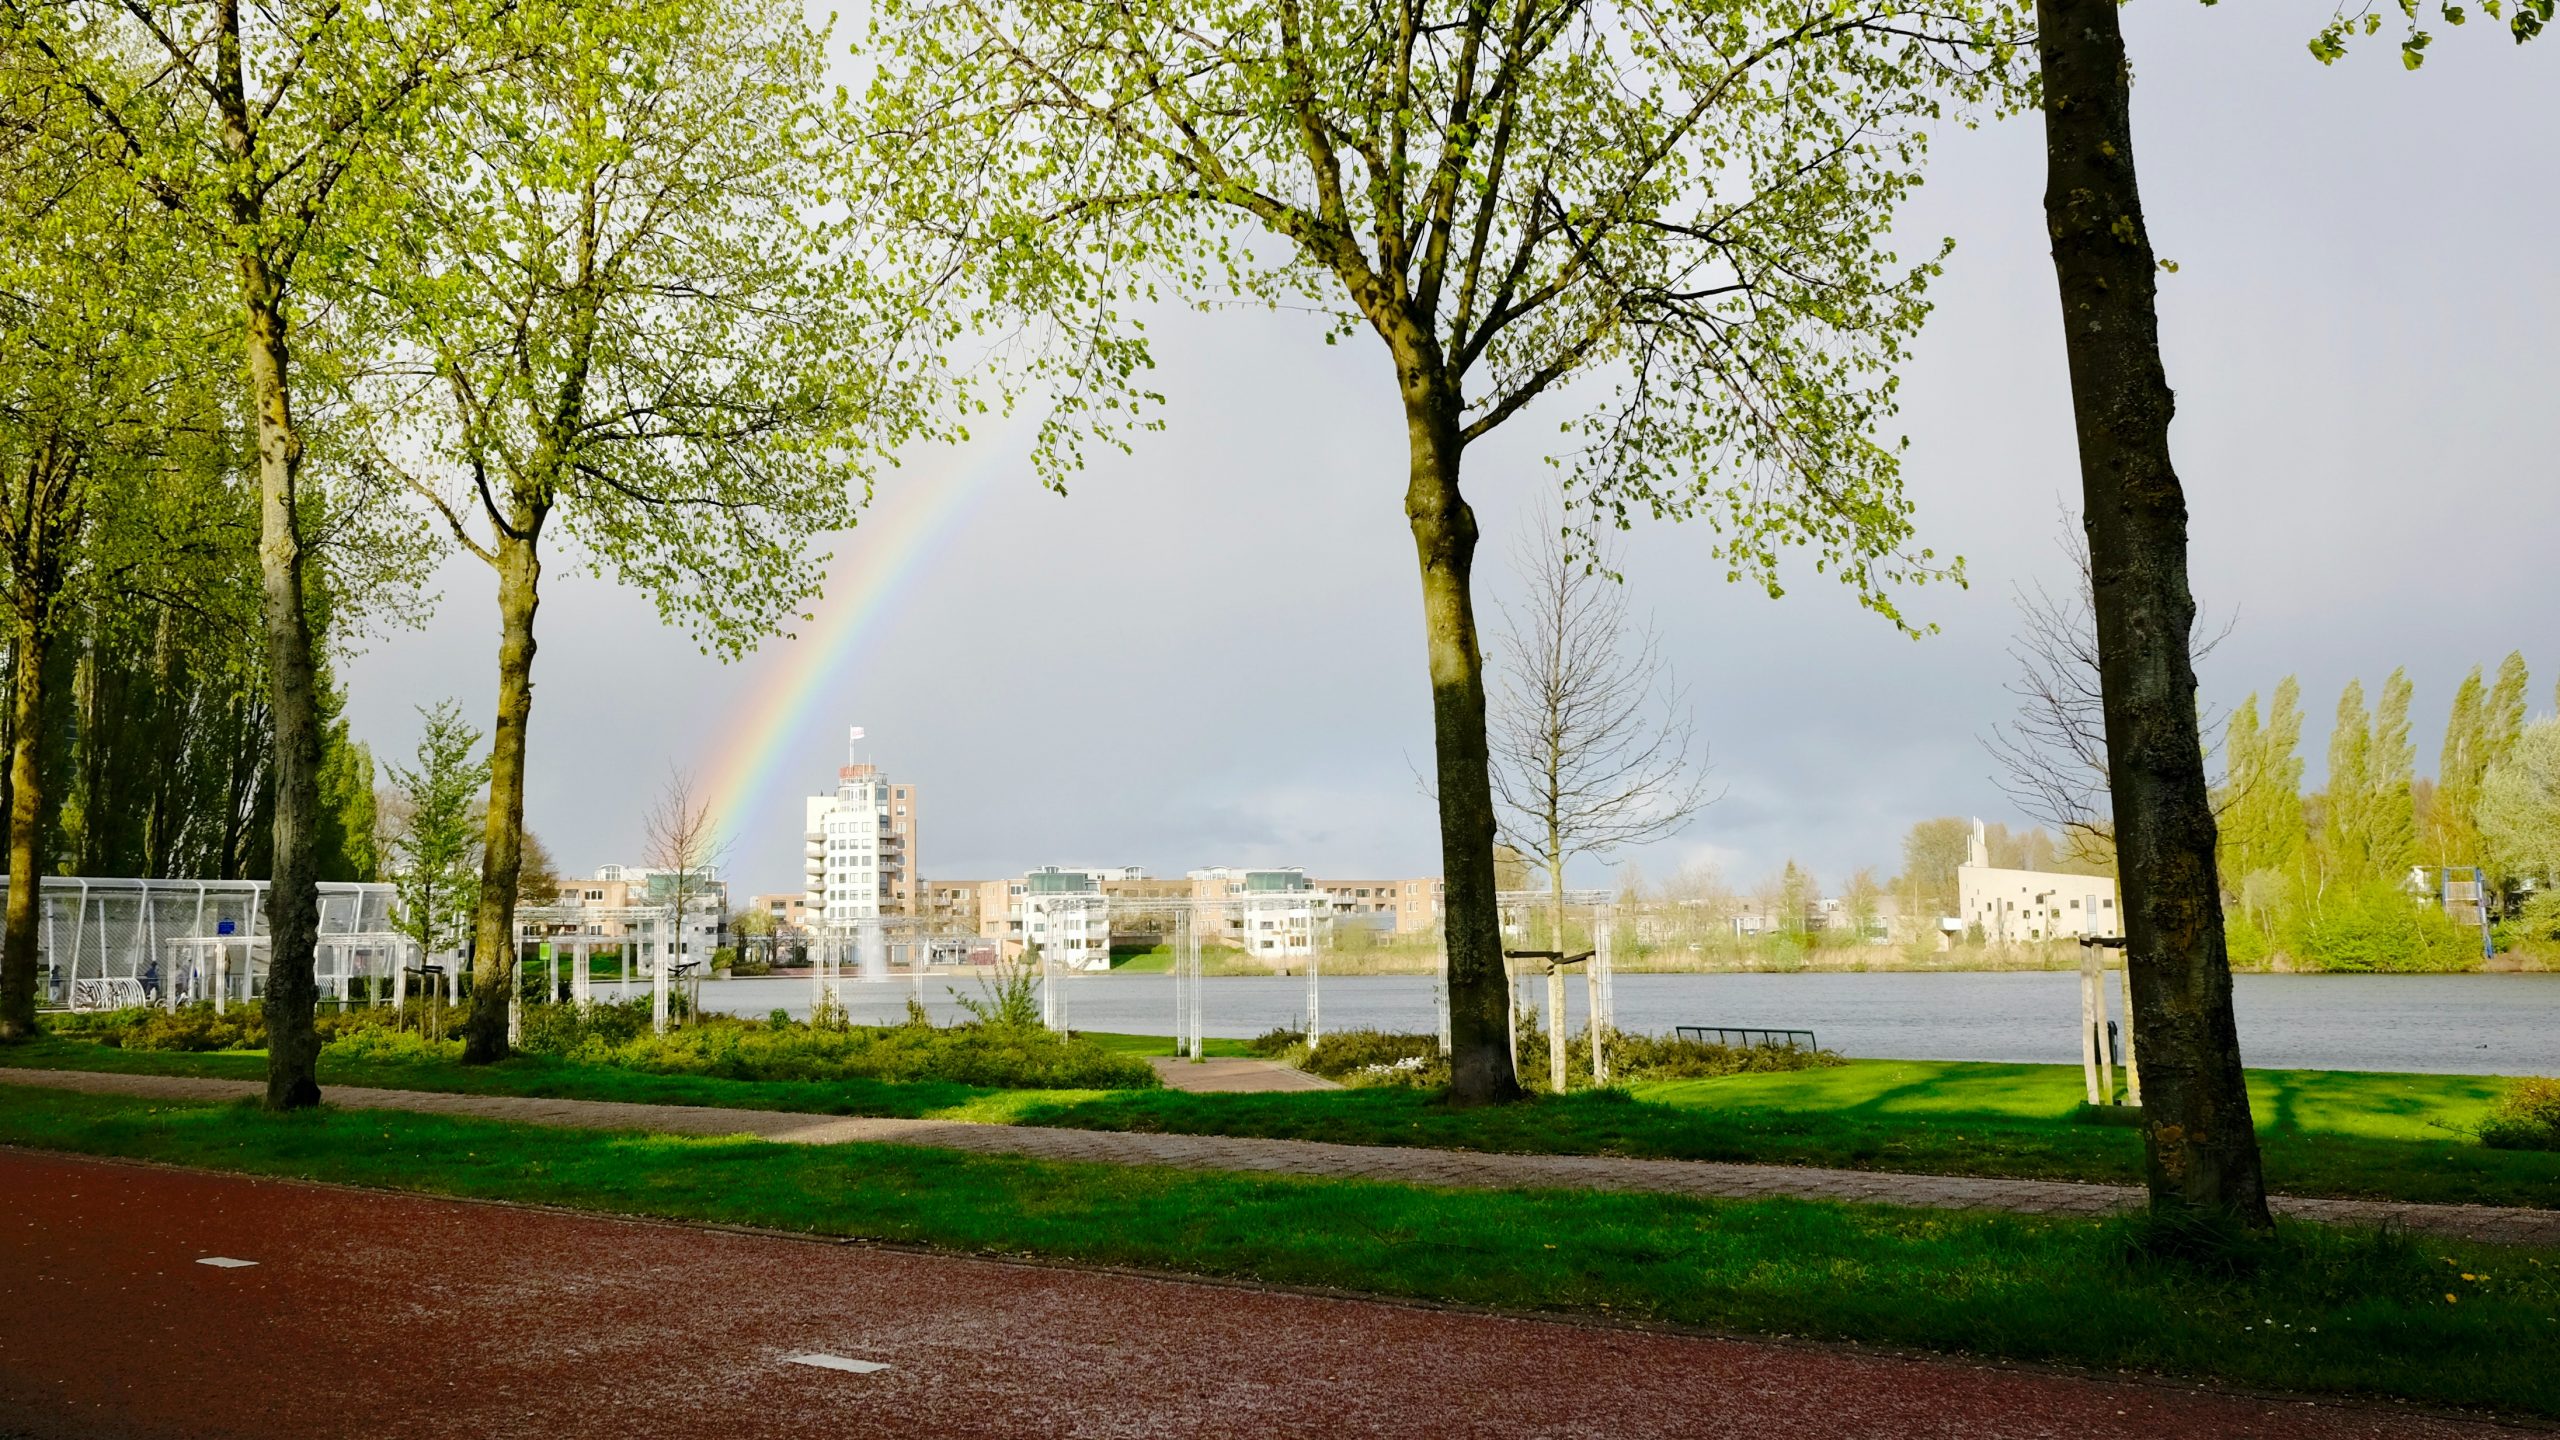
{"points": [[584, 232], [2299, 867], [291, 288]]}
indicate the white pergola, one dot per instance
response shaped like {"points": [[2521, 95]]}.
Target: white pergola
{"points": [[649, 936], [1522, 912], [882, 947], [107, 943]]}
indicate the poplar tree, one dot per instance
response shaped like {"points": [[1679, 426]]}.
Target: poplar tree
{"points": [[2502, 714], [2392, 846], [94, 323], [2453, 821], [621, 330], [1676, 214], [2346, 808]]}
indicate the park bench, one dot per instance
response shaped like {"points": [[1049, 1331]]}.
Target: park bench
{"points": [[1746, 1036]]}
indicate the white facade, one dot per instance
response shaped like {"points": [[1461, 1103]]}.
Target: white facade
{"points": [[2010, 906], [1272, 913], [1067, 914], [848, 840]]}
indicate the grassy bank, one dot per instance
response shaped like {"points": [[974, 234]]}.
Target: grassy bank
{"points": [[2397, 1137], [2315, 1311]]}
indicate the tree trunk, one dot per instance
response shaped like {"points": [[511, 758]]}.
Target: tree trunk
{"points": [[493, 963], [42, 528], [2200, 1146], [1556, 1035], [293, 897], [160, 818], [1481, 1068], [26, 832]]}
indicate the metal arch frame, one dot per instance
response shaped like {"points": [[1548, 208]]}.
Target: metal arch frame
{"points": [[1599, 978], [338, 950], [658, 927], [871, 941]]}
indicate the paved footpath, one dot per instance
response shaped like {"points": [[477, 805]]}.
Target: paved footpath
{"points": [[1412, 1166], [394, 1316]]}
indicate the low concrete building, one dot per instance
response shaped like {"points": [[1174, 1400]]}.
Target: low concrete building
{"points": [[2017, 906]]}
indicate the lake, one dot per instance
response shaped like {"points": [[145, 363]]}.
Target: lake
{"points": [[2477, 1024]]}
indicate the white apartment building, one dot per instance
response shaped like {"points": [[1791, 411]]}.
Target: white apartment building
{"points": [[605, 904], [1067, 913], [1273, 914], [860, 845], [2011, 906]]}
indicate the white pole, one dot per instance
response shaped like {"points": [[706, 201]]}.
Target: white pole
{"points": [[658, 989], [2132, 1076], [249, 947], [2089, 1025], [1440, 993], [79, 932], [1315, 1026], [1177, 960], [1595, 1003], [1048, 991]]}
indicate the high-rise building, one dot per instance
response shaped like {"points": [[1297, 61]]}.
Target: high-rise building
{"points": [[861, 844]]}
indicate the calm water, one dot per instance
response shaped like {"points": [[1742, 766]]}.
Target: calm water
{"points": [[2487, 1024]]}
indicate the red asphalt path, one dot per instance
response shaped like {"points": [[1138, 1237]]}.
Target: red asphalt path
{"points": [[387, 1315]]}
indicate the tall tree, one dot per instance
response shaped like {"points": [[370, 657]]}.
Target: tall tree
{"points": [[1591, 737], [83, 353], [2346, 805], [2390, 806], [2262, 827], [624, 331], [264, 130], [2200, 1146], [2520, 804], [2453, 820], [1932, 851], [1684, 209]]}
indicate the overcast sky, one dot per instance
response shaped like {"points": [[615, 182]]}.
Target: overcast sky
{"points": [[1211, 652]]}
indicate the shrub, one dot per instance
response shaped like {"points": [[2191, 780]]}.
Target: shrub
{"points": [[561, 1029], [2379, 929], [239, 1027], [396, 1047], [1373, 1057], [1008, 1057], [2527, 1117]]}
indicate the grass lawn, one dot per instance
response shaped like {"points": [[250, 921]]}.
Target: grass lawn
{"points": [[2323, 1132], [1211, 1047], [2316, 1310]]}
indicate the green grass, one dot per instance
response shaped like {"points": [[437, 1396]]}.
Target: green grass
{"points": [[1211, 1047], [2322, 1132], [2317, 1310]]}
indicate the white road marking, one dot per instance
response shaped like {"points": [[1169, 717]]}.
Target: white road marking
{"points": [[225, 1262], [835, 1362]]}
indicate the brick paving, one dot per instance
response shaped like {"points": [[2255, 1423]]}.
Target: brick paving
{"points": [[1461, 1169]]}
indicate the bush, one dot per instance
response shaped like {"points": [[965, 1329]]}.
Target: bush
{"points": [[1374, 1057], [394, 1047], [1004, 1057], [2527, 1117], [197, 1028], [2379, 929]]}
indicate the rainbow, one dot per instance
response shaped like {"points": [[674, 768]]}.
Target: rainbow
{"points": [[761, 744]]}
